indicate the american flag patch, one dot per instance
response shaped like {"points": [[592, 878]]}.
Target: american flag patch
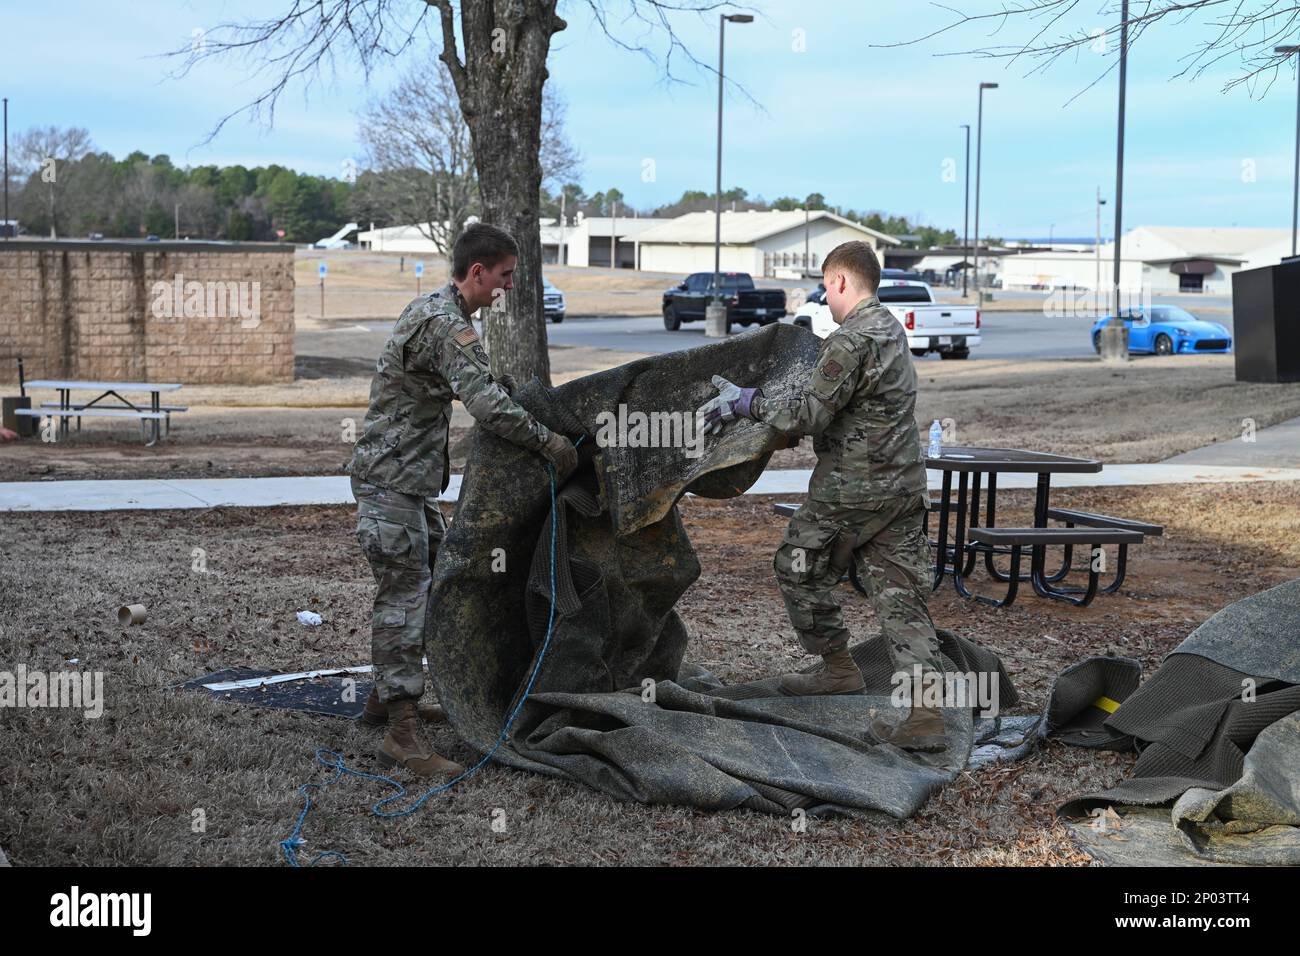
{"points": [[466, 336], [832, 369]]}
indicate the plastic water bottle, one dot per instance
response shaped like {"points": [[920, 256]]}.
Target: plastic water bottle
{"points": [[936, 440]]}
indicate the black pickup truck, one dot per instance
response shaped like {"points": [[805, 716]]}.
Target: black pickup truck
{"points": [[745, 304]]}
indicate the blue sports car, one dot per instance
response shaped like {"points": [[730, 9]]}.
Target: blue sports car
{"points": [[1169, 330]]}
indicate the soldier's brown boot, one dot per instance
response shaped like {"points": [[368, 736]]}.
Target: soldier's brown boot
{"points": [[376, 711], [405, 745], [839, 675], [922, 731]]}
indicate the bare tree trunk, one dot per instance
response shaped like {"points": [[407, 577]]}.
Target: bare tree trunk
{"points": [[500, 88]]}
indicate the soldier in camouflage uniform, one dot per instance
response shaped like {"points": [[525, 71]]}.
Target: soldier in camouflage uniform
{"points": [[400, 465], [867, 497]]}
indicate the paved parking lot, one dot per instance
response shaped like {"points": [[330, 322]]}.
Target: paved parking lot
{"points": [[1027, 334]]}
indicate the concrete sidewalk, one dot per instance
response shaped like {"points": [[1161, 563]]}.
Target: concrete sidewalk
{"points": [[157, 494], [1275, 447]]}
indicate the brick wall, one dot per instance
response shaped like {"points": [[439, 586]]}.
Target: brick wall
{"points": [[189, 312]]}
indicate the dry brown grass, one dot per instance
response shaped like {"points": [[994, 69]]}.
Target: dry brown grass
{"points": [[121, 790]]}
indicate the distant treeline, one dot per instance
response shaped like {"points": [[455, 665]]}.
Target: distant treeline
{"points": [[141, 195]]}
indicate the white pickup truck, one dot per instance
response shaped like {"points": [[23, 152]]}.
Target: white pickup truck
{"points": [[950, 330]]}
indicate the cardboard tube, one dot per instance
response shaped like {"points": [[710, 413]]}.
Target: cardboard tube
{"points": [[130, 614]]}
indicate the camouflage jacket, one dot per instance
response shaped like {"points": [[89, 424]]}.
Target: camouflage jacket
{"points": [[860, 408], [433, 356]]}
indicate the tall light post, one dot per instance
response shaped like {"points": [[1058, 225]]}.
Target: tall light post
{"points": [[723, 19], [965, 221], [979, 149], [1295, 194], [1114, 337]]}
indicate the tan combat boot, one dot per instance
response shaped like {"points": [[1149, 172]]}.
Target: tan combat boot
{"points": [[376, 712], [405, 745], [839, 675], [922, 731]]}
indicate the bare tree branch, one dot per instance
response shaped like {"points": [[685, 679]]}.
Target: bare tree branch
{"points": [[300, 44], [448, 55], [560, 158], [40, 143], [1247, 30], [654, 17]]}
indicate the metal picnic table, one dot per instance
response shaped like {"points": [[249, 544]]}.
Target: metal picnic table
{"points": [[971, 464], [151, 417]]}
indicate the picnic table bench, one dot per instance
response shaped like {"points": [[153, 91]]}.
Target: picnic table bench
{"points": [[958, 554], [155, 418], [971, 539]]}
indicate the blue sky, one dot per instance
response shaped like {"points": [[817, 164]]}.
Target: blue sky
{"points": [[865, 126]]}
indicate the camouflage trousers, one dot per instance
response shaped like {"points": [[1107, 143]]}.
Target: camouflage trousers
{"points": [[886, 540], [400, 535]]}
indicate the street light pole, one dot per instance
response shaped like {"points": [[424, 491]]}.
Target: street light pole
{"points": [[1114, 338], [1295, 194], [717, 194], [965, 222], [979, 151]]}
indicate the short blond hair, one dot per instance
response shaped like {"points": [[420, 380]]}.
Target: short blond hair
{"points": [[858, 259]]}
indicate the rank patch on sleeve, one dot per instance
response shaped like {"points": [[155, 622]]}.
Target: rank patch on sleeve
{"points": [[832, 369], [466, 336]]}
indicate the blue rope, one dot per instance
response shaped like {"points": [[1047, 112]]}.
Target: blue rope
{"points": [[290, 844]]}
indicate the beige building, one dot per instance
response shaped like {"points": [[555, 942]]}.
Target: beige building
{"points": [[777, 244]]}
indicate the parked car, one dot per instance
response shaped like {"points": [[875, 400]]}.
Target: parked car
{"points": [[552, 302], [1169, 330], [746, 304], [950, 330]]}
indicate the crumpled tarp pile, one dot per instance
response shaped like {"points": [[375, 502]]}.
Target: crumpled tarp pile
{"points": [[1217, 727]]}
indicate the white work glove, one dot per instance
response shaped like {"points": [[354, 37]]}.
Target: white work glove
{"points": [[732, 402]]}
